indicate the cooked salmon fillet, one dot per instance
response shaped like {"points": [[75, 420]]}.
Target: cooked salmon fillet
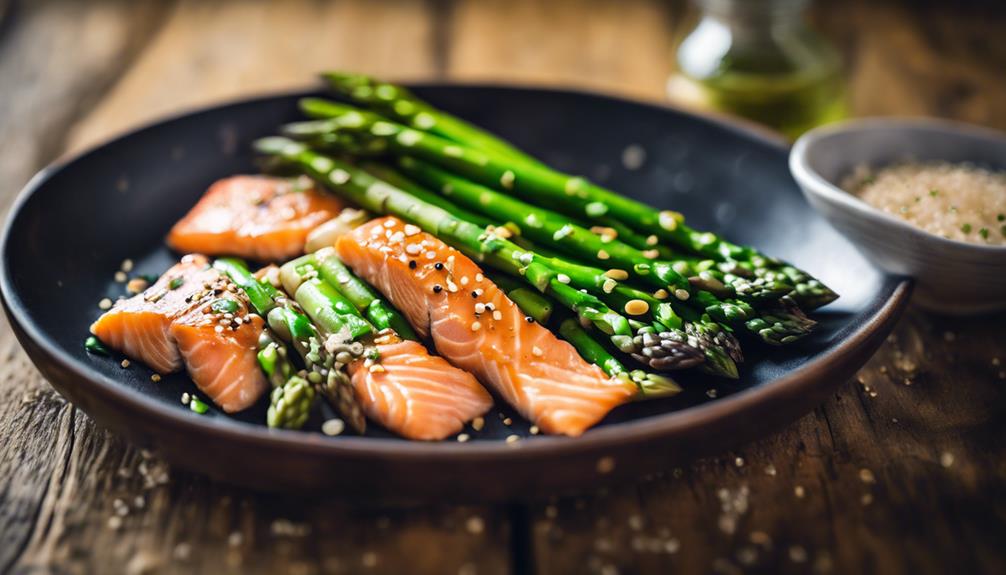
{"points": [[418, 395], [192, 317], [140, 326], [256, 217], [223, 363], [478, 329]]}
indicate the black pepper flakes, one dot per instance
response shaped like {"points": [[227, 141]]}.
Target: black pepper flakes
{"points": [[412, 264], [437, 288]]}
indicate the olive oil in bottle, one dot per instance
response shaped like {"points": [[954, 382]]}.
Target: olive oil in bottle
{"points": [[759, 59]]}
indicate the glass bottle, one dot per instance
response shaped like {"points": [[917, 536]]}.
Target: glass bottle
{"points": [[760, 60]]}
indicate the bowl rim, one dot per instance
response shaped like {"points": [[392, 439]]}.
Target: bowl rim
{"points": [[598, 440], [814, 183]]}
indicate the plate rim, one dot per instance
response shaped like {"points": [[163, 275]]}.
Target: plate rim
{"points": [[663, 426]]}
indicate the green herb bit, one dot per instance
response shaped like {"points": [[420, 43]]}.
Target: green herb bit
{"points": [[224, 306], [176, 283], [984, 233], [198, 406], [151, 278], [1001, 217], [1002, 230], [933, 193], [94, 345], [966, 228]]}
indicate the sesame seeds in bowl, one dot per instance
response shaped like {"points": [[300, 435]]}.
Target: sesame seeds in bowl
{"points": [[920, 197]]}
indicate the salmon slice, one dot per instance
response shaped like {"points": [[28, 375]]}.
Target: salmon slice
{"points": [[255, 217], [219, 343], [140, 326], [478, 329], [418, 395], [184, 320]]}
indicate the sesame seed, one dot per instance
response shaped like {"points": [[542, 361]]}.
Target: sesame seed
{"points": [[660, 294], [536, 351], [479, 277], [609, 285], [377, 368], [478, 423], [497, 315], [452, 287], [219, 329], [413, 249], [430, 255], [463, 437], [512, 438], [121, 277], [124, 363], [617, 274], [127, 265], [636, 307], [799, 491], [464, 280], [866, 476], [651, 254], [739, 462], [155, 377], [507, 421], [480, 307], [105, 304], [507, 179], [476, 326], [602, 255], [186, 398], [946, 459], [389, 223], [651, 240], [534, 430], [411, 230], [668, 220], [681, 294], [333, 427], [563, 278], [605, 465], [475, 525]]}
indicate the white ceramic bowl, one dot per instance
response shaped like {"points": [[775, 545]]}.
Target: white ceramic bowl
{"points": [[951, 276]]}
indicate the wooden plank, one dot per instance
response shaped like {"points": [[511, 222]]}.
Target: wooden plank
{"points": [[56, 59], [208, 52], [620, 47], [887, 477], [921, 59]]}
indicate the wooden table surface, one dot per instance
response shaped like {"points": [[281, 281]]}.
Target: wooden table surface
{"points": [[903, 470]]}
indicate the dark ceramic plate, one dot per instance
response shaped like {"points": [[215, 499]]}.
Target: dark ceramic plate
{"points": [[76, 221]]}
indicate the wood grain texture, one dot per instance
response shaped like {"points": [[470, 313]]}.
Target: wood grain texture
{"points": [[895, 478], [210, 51]]}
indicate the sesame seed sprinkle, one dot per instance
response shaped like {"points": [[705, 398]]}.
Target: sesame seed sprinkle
{"points": [[602, 255], [476, 326]]}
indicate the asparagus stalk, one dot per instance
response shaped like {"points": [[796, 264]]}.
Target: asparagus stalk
{"points": [[292, 396], [482, 243], [399, 103], [287, 321], [543, 225], [572, 195], [364, 298]]}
